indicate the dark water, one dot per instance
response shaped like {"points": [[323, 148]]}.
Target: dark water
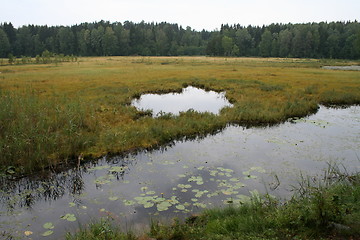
{"points": [[190, 98], [185, 178]]}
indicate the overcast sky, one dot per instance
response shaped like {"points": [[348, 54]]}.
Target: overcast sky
{"points": [[198, 14]]}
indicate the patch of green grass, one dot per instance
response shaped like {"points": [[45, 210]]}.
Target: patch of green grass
{"points": [[338, 97], [36, 133], [102, 230]]}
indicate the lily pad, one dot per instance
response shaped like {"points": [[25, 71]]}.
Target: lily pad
{"points": [[148, 204], [199, 180], [163, 206], [184, 185], [128, 202], [202, 205], [69, 217], [113, 198], [143, 189], [48, 225], [144, 200], [180, 207], [213, 173], [47, 233], [159, 199], [103, 180]]}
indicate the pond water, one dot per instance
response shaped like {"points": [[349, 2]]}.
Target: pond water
{"points": [[348, 68], [190, 98], [183, 178]]}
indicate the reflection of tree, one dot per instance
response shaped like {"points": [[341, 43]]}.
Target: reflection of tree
{"points": [[27, 191], [76, 184]]}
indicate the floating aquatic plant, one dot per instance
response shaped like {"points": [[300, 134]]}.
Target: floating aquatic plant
{"points": [[49, 226], [69, 217]]}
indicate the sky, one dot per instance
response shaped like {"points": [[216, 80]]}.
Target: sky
{"points": [[198, 14]]}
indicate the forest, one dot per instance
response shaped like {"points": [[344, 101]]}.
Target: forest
{"points": [[339, 40]]}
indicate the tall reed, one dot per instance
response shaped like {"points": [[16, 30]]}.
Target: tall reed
{"points": [[36, 133]]}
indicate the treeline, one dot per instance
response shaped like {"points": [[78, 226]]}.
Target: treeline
{"points": [[312, 40], [103, 39], [318, 40]]}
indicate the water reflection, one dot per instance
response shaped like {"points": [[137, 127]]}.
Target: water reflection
{"points": [[190, 98], [28, 191], [226, 167]]}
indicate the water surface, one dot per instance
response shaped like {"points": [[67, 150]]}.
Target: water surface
{"points": [[190, 98], [185, 178], [348, 68]]}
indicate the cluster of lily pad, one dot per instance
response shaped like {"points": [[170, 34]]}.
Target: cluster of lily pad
{"points": [[49, 226], [226, 184], [149, 199], [207, 183], [319, 122]]}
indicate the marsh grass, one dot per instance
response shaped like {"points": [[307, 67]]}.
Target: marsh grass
{"points": [[93, 116], [102, 230], [38, 133]]}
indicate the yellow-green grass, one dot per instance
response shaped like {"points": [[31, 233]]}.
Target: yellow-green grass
{"points": [[263, 91]]}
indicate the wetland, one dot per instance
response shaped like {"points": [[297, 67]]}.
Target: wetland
{"points": [[74, 148], [184, 178]]}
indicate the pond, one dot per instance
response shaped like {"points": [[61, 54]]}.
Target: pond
{"points": [[184, 178], [174, 103], [347, 68]]}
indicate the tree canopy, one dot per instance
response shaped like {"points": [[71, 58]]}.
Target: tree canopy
{"points": [[311, 40]]}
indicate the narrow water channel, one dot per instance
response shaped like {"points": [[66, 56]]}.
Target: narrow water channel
{"points": [[185, 178]]}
